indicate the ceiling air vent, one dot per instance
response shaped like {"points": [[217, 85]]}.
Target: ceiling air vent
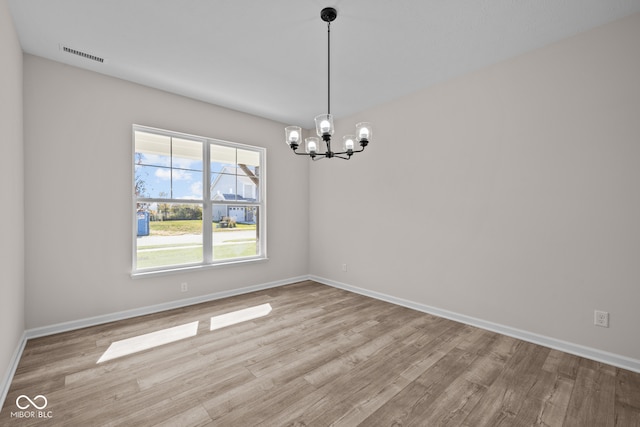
{"points": [[83, 54]]}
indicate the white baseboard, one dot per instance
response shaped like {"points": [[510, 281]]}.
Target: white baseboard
{"points": [[11, 369], [567, 347]]}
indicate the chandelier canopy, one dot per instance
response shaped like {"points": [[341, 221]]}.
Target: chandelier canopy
{"points": [[324, 122]]}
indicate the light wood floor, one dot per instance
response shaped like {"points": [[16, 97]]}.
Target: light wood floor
{"points": [[321, 357]]}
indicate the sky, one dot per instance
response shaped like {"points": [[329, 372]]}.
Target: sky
{"points": [[184, 179], [172, 167]]}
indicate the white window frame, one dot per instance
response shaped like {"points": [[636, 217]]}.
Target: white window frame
{"points": [[207, 206]]}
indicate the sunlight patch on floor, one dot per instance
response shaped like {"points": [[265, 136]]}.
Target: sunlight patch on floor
{"points": [[238, 316], [144, 342], [165, 336]]}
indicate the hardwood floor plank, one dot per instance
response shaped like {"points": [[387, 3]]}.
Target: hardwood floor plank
{"points": [[366, 378], [322, 356], [627, 416], [383, 379], [546, 402], [628, 389], [414, 401], [555, 401], [627, 406], [348, 360], [503, 399], [193, 417], [562, 364], [452, 406], [457, 400], [592, 402]]}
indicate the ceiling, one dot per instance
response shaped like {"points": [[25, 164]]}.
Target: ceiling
{"points": [[269, 58]]}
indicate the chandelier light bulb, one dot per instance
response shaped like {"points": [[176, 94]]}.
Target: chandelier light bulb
{"points": [[348, 142], [324, 125], [363, 130], [292, 136], [312, 144]]}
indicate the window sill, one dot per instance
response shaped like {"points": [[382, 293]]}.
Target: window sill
{"points": [[176, 270]]}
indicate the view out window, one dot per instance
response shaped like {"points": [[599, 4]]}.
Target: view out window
{"points": [[198, 201]]}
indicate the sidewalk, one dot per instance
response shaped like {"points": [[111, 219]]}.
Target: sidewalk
{"points": [[218, 238]]}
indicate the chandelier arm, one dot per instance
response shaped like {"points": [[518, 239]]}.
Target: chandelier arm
{"points": [[349, 153], [301, 154], [360, 150], [320, 155]]}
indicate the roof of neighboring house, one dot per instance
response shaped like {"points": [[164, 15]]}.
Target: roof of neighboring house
{"points": [[231, 171]]}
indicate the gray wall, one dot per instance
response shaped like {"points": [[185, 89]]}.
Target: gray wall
{"points": [[11, 193], [78, 196], [524, 205]]}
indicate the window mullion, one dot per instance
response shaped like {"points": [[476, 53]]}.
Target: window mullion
{"points": [[207, 209]]}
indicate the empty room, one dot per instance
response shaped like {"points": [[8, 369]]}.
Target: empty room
{"points": [[201, 224]]}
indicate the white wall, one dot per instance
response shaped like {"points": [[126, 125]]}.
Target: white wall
{"points": [[525, 200], [78, 194], [11, 193]]}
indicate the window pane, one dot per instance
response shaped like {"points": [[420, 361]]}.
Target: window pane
{"points": [[248, 174], [223, 159], [152, 149], [186, 174], [247, 187], [223, 186], [186, 154], [234, 174], [186, 184], [169, 234], [235, 231], [153, 182], [249, 160]]}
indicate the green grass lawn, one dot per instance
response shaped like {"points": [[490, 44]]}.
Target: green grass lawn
{"points": [[191, 254]]}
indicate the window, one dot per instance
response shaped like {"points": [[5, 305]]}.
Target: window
{"points": [[197, 201]]}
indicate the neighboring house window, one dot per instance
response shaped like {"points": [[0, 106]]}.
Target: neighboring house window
{"points": [[197, 201]]}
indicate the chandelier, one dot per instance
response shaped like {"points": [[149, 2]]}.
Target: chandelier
{"points": [[324, 122]]}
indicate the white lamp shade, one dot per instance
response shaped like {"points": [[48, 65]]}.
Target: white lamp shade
{"points": [[311, 144], [348, 142], [293, 135], [324, 124], [363, 131]]}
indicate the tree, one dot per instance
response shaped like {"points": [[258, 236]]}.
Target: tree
{"points": [[188, 212], [164, 208], [140, 183]]}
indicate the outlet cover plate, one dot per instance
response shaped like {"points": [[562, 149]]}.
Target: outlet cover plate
{"points": [[601, 318]]}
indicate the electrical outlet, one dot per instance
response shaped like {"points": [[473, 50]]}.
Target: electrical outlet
{"points": [[601, 318], [184, 287], [344, 267]]}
